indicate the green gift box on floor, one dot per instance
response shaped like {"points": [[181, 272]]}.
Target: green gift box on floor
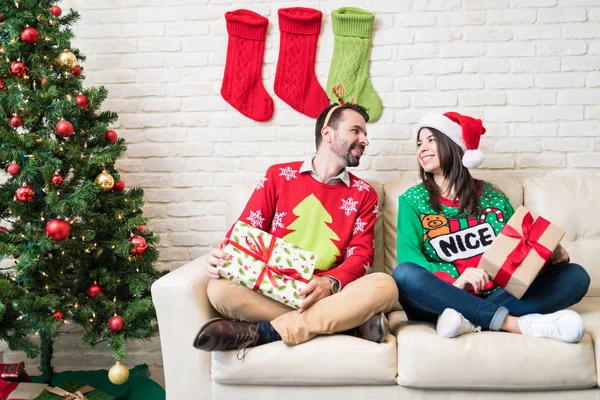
{"points": [[73, 386]]}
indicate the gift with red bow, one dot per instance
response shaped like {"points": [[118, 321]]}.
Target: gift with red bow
{"points": [[14, 372], [267, 264], [519, 252]]}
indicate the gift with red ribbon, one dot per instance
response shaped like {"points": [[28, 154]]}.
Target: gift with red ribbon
{"points": [[267, 264], [520, 251], [14, 372]]}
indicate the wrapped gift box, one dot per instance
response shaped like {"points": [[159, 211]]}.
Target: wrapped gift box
{"points": [[520, 251], [72, 386], [14, 372], [20, 390], [267, 264]]}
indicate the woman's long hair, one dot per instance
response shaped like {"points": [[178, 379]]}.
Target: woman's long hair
{"points": [[459, 178]]}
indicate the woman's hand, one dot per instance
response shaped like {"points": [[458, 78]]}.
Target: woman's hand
{"points": [[559, 255], [472, 278]]}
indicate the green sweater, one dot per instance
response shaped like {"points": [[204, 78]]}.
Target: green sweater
{"points": [[446, 243]]}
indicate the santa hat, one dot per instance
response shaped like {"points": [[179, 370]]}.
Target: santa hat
{"points": [[463, 130]]}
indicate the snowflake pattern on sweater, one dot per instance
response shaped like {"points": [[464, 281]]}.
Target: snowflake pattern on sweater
{"points": [[447, 242], [334, 221]]}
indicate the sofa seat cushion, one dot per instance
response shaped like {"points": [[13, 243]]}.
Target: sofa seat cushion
{"points": [[489, 360], [589, 308], [325, 360]]}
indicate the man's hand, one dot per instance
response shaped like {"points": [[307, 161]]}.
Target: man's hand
{"points": [[472, 277], [559, 255], [318, 288], [216, 257]]}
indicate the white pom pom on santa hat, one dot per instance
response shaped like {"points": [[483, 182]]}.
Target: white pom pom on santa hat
{"points": [[463, 130]]}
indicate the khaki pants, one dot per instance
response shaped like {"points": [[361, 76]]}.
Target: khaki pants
{"points": [[351, 307]]}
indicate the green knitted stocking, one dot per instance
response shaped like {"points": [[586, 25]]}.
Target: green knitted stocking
{"points": [[350, 61]]}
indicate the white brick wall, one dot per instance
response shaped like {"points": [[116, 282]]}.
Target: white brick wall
{"points": [[529, 68]]}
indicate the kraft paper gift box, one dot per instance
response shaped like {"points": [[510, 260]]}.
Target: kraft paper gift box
{"points": [[267, 264], [519, 252], [76, 388]]}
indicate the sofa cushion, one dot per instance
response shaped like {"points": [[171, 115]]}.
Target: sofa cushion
{"points": [[393, 190], [589, 308], [325, 360], [240, 193], [489, 360], [570, 204]]}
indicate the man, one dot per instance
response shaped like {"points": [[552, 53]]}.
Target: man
{"points": [[321, 207]]}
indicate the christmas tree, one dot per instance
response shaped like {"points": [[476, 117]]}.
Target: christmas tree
{"points": [[305, 230], [76, 235]]}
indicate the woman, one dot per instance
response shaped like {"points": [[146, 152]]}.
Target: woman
{"points": [[445, 224]]}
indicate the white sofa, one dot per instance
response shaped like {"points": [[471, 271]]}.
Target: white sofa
{"points": [[413, 362]]}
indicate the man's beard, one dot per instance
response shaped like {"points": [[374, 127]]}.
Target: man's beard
{"points": [[344, 150]]}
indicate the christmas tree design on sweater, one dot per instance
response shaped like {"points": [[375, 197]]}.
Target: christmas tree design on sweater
{"points": [[335, 221], [447, 242]]}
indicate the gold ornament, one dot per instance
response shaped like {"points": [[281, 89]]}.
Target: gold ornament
{"points": [[67, 60], [105, 181], [118, 373]]}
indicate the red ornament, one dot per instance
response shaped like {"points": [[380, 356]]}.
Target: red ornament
{"points": [[25, 194], [94, 290], [82, 101], [43, 81], [2, 85], [3, 229], [16, 122], [19, 69], [119, 186], [64, 128], [13, 169], [111, 136], [76, 70], [58, 230], [56, 11], [116, 324], [139, 245], [140, 228], [57, 315], [57, 179], [29, 35]]}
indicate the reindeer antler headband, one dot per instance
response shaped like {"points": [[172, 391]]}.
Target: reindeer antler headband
{"points": [[338, 91]]}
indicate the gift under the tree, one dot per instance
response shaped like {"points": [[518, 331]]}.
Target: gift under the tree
{"points": [[267, 264], [75, 390], [14, 372], [519, 252], [10, 390]]}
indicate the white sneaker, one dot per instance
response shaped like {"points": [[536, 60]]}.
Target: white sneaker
{"points": [[452, 324], [565, 325]]}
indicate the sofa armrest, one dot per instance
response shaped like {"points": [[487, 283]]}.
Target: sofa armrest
{"points": [[182, 307]]}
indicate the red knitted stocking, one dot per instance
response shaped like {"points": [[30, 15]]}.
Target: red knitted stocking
{"points": [[295, 80], [242, 83]]}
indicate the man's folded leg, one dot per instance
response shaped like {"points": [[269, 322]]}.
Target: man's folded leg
{"points": [[242, 305], [359, 304]]}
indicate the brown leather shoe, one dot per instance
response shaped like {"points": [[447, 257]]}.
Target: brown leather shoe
{"points": [[220, 335], [374, 330]]}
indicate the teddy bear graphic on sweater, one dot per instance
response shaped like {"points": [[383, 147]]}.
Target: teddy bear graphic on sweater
{"points": [[436, 225]]}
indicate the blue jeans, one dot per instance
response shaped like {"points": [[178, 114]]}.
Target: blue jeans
{"points": [[424, 296]]}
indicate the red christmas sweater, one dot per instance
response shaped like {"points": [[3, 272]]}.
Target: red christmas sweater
{"points": [[336, 222]]}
